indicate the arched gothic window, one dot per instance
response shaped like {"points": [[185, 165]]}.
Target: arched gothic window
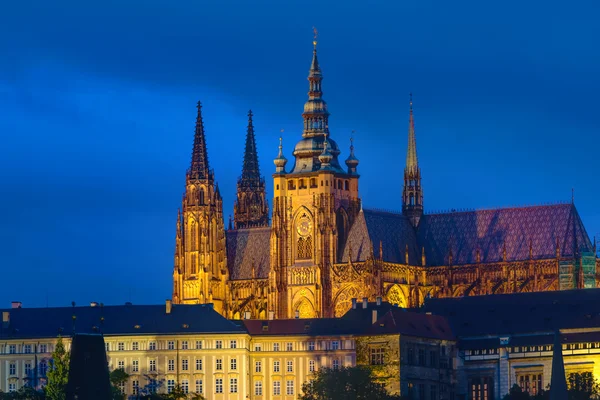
{"points": [[201, 196], [304, 250], [193, 237]]}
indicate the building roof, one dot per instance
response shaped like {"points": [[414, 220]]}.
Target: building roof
{"points": [[393, 231], [519, 313], [491, 230], [410, 323], [248, 247], [118, 320], [308, 327]]}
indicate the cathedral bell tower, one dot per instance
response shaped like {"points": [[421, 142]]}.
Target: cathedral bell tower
{"points": [[314, 205], [251, 208], [200, 271], [412, 193]]}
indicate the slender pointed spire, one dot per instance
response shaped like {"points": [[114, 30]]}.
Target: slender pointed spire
{"points": [[315, 109], [199, 168], [250, 169], [412, 163], [280, 160], [558, 380], [352, 161]]}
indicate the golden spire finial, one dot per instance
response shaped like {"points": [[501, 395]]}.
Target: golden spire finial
{"points": [[316, 33]]}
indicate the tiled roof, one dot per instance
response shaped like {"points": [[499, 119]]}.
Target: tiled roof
{"points": [[118, 320], [246, 247], [490, 230], [393, 231], [519, 313], [399, 320], [310, 327]]}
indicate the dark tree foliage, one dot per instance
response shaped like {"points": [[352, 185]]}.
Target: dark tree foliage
{"points": [[117, 377], [582, 386], [25, 393], [347, 383]]}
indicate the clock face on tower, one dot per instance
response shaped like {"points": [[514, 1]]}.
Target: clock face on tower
{"points": [[304, 226]]}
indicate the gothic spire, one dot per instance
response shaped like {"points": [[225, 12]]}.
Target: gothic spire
{"points": [[250, 169], [315, 109], [412, 162], [199, 167]]}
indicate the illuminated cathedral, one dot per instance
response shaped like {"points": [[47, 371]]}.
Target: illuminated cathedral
{"points": [[317, 248]]}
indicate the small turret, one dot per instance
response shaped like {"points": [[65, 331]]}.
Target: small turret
{"points": [[326, 156], [352, 161], [280, 161]]}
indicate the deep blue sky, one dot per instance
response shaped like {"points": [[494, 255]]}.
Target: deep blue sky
{"points": [[97, 109]]}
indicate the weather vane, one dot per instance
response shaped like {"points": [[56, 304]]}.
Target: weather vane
{"points": [[315, 37]]}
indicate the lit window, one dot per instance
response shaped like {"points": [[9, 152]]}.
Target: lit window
{"points": [[43, 348], [170, 385], [311, 366], [152, 366], [233, 364], [289, 387], [335, 345], [135, 346], [170, 346], [233, 386], [198, 344], [121, 365], [121, 346], [275, 346], [184, 345], [135, 366], [276, 388], [233, 344], [258, 388], [27, 349], [219, 385], [151, 346], [170, 365], [257, 366], [276, 366], [219, 344], [219, 364], [290, 366], [289, 346], [199, 388], [198, 365], [258, 347], [184, 365]]}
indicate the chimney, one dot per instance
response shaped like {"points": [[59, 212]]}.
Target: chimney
{"points": [[365, 302], [16, 304], [247, 314], [378, 300], [374, 316], [354, 303], [271, 315], [93, 304], [169, 305], [297, 314]]}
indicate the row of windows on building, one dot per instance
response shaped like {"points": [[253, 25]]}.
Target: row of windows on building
{"points": [[218, 344], [28, 368], [302, 184], [199, 364], [533, 349], [421, 357], [25, 349], [219, 386]]}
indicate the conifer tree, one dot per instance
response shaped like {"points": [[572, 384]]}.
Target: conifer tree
{"points": [[58, 373]]}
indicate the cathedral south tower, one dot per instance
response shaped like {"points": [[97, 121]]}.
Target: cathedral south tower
{"points": [[200, 271], [314, 205]]}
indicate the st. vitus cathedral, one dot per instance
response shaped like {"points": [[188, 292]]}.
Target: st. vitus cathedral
{"points": [[318, 248]]}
